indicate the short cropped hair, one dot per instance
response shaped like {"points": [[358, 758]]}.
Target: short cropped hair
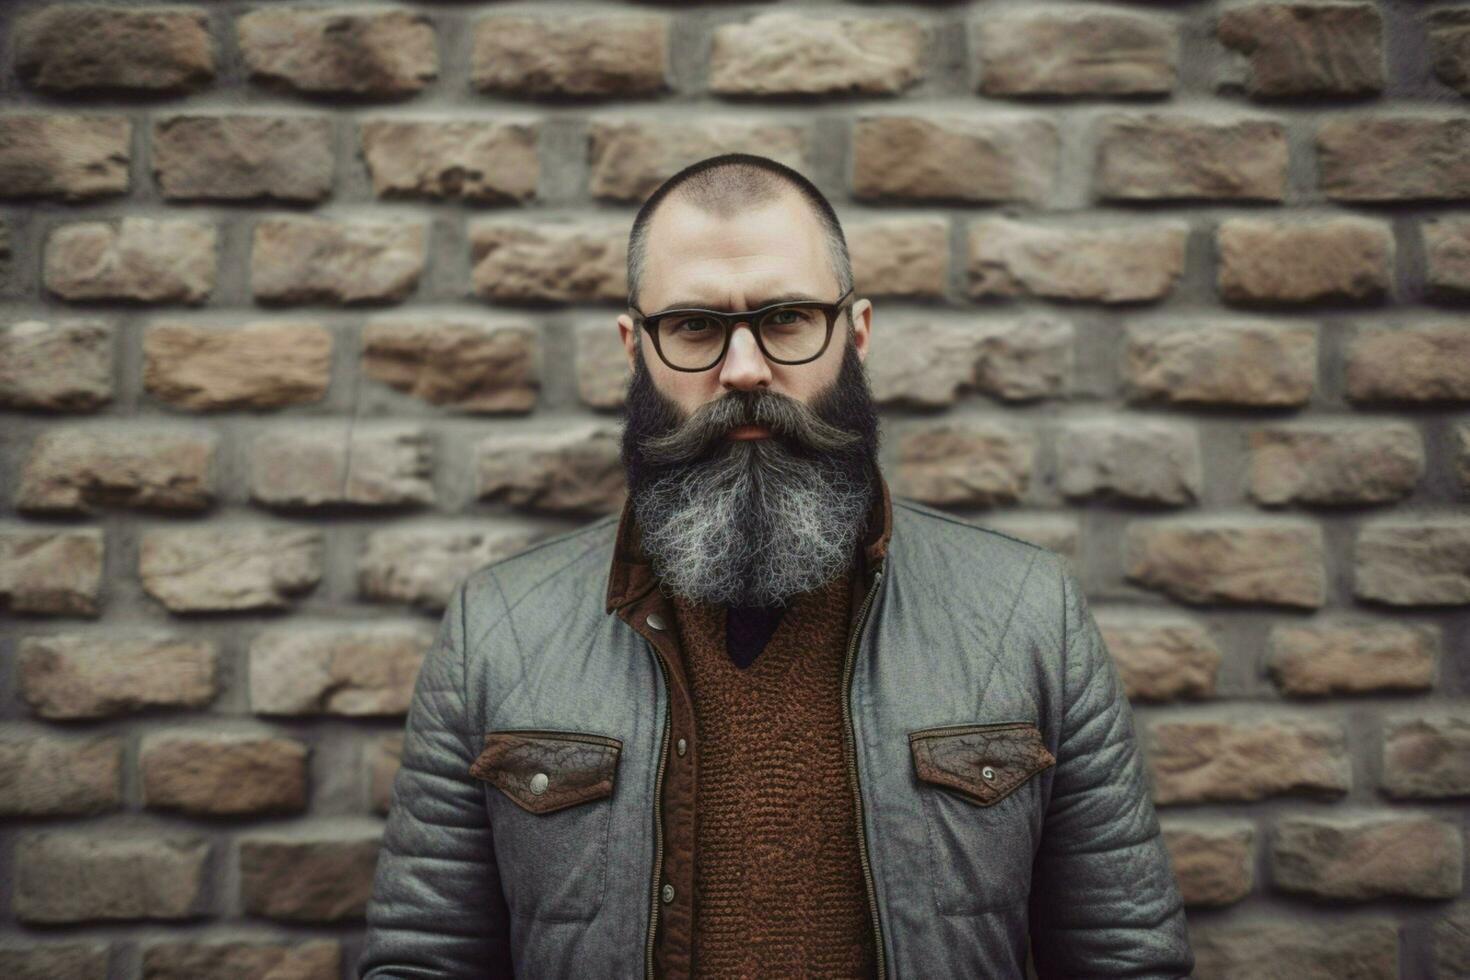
{"points": [[725, 184]]}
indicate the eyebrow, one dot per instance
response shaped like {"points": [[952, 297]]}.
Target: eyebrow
{"points": [[694, 304]]}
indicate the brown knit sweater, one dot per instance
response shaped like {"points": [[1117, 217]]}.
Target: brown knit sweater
{"points": [[779, 888]]}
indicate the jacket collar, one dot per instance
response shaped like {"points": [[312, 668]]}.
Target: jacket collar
{"points": [[631, 576]]}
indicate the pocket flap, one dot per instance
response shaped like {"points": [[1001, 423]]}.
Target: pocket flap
{"points": [[983, 763], [543, 771]]}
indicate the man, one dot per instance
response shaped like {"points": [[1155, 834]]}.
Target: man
{"points": [[768, 721]]}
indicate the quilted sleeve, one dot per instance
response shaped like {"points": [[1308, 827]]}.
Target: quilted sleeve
{"points": [[1104, 901], [436, 909]]}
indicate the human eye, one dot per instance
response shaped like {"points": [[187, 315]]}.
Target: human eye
{"points": [[691, 326]]}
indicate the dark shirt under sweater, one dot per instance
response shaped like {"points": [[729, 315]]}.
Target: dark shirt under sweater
{"points": [[747, 631]]}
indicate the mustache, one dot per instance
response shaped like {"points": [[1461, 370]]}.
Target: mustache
{"points": [[711, 423]]}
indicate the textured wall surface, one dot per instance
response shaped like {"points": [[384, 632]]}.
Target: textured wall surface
{"points": [[307, 311]]}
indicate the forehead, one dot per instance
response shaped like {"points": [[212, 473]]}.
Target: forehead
{"points": [[756, 255]]}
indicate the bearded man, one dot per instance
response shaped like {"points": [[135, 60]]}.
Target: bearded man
{"points": [[769, 720]]}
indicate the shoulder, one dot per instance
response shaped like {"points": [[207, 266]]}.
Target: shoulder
{"points": [[566, 558], [922, 526]]}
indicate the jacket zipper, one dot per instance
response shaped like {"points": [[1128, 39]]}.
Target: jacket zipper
{"points": [[851, 742], [658, 820]]}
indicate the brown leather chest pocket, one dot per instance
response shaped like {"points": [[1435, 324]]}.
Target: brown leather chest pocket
{"points": [[543, 771], [981, 811], [982, 763], [550, 814]]}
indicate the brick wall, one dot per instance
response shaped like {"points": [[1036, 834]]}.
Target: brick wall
{"points": [[307, 311]]}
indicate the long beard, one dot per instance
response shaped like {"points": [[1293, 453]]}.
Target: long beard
{"points": [[752, 522]]}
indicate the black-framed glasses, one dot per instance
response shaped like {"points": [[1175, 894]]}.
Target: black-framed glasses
{"points": [[691, 339]]}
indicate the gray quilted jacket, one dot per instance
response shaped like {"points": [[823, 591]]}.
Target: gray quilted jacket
{"points": [[1003, 801]]}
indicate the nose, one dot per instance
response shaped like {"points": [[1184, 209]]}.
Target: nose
{"points": [[744, 367]]}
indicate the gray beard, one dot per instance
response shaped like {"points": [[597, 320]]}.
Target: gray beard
{"points": [[753, 526]]}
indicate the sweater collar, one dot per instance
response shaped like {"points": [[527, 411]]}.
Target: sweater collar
{"points": [[631, 576]]}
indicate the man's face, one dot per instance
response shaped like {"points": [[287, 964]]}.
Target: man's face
{"points": [[739, 263], [728, 513]]}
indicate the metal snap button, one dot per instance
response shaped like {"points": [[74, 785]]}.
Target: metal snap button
{"points": [[539, 782], [668, 893], [988, 772], [654, 621], [681, 746]]}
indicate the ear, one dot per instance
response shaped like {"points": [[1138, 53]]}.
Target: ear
{"points": [[861, 312], [628, 336]]}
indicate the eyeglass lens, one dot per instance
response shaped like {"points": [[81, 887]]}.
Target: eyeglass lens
{"points": [[788, 333]]}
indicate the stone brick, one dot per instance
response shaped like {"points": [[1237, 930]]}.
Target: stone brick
{"points": [[1462, 465], [1161, 658], [1452, 942], [1394, 158], [421, 565], [899, 256], [67, 156], [381, 759], [373, 465], [1277, 950], [1131, 458], [336, 671], [785, 53], [576, 54], [1229, 560], [319, 959], [51, 572], [45, 776], [1414, 562], [1449, 52], [1157, 157], [1424, 362], [205, 773], [1426, 756], [1270, 260], [1000, 157], [492, 162], [82, 470], [1318, 659], [1362, 857], [81, 675], [324, 877], [628, 158], [1447, 256], [602, 365], [379, 54], [229, 568], [54, 961], [308, 259], [467, 363], [60, 366], [243, 157], [270, 364], [1306, 49], [964, 463], [1221, 362], [1106, 265], [94, 48], [1214, 863], [549, 262], [1088, 52], [928, 363], [76, 876], [148, 260], [1239, 762], [1335, 463], [574, 469]]}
